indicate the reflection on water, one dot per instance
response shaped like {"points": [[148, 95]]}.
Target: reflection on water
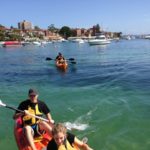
{"points": [[100, 46]]}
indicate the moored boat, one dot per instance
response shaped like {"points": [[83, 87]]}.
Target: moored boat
{"points": [[1, 43], [37, 43], [12, 43], [99, 40], [40, 141], [147, 37]]}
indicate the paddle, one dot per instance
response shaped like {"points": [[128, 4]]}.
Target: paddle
{"points": [[69, 127], [85, 140], [13, 108], [72, 60]]}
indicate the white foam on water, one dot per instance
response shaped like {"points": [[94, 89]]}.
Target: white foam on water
{"points": [[76, 126]]}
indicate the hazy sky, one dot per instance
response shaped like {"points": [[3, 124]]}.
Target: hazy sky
{"points": [[127, 16]]}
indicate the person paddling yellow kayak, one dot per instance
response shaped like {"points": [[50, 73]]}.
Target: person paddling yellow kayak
{"points": [[61, 62]]}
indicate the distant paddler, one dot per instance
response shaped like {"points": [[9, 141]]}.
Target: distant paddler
{"points": [[60, 58], [61, 61]]}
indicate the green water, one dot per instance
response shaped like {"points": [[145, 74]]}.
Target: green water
{"points": [[108, 90]]}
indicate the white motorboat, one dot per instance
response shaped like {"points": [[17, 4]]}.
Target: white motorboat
{"points": [[99, 40], [37, 43], [77, 40], [147, 37]]}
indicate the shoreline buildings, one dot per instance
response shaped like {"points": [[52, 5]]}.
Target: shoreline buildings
{"points": [[25, 25], [27, 31]]}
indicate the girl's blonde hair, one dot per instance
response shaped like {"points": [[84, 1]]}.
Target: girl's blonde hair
{"points": [[59, 127]]}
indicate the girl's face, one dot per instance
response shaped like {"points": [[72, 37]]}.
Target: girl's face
{"points": [[59, 138]]}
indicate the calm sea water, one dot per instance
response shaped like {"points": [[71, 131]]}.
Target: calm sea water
{"points": [[108, 90]]}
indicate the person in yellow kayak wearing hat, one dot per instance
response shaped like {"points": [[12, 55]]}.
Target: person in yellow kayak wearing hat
{"points": [[63, 140], [32, 126], [60, 58]]}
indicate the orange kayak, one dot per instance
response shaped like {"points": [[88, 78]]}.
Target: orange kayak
{"points": [[62, 66], [40, 142]]}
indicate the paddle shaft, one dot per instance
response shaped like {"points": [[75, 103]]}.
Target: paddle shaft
{"points": [[13, 108], [71, 59]]}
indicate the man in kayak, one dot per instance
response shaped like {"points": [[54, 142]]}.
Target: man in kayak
{"points": [[32, 126], [60, 58], [64, 140]]}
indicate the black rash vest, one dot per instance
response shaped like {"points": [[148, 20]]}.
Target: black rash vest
{"points": [[38, 108]]}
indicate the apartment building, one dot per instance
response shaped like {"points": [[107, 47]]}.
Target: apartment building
{"points": [[25, 25]]}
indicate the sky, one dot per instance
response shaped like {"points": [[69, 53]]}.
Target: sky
{"points": [[126, 16]]}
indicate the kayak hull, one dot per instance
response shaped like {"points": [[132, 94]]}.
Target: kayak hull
{"points": [[22, 143], [62, 66]]}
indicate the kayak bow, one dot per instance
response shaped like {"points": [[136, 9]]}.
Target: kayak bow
{"points": [[62, 65], [22, 143]]}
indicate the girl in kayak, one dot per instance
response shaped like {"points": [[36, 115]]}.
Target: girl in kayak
{"points": [[63, 140]]}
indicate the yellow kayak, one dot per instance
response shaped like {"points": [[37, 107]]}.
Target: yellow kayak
{"points": [[40, 142], [62, 65]]}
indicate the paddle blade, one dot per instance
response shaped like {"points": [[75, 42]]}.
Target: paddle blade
{"points": [[73, 62], [85, 140], [2, 104], [48, 58], [71, 59]]}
